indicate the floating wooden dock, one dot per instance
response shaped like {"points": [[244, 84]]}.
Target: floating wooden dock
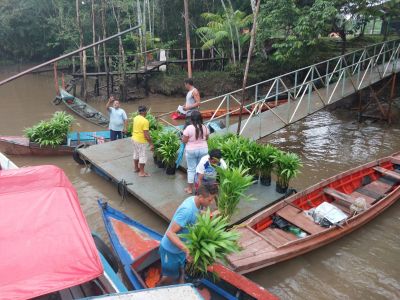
{"points": [[160, 192]]}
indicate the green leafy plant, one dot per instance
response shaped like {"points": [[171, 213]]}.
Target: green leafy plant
{"points": [[52, 132], [168, 146], [234, 182], [154, 124], [287, 166], [208, 241], [267, 155]]}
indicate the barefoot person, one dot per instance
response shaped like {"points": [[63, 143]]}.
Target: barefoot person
{"points": [[173, 251], [192, 99], [195, 137], [140, 139], [118, 119]]}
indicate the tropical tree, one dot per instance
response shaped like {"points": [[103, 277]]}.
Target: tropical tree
{"points": [[218, 32]]}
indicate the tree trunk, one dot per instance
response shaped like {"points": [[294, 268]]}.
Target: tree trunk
{"points": [[103, 24], [122, 59], [188, 55], [95, 52], [231, 32], [256, 9], [82, 55]]}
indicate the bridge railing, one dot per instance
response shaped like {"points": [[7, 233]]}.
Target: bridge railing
{"points": [[327, 80]]}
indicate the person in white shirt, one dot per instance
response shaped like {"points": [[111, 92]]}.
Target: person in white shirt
{"points": [[206, 172], [118, 119]]}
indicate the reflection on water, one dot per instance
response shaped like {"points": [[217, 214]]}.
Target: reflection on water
{"points": [[363, 265]]}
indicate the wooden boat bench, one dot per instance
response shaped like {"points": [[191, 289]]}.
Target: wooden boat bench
{"points": [[388, 173], [297, 218], [342, 198]]}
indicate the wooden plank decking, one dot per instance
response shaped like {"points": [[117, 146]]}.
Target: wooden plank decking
{"points": [[162, 193]]}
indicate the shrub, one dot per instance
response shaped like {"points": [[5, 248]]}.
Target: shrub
{"points": [[52, 132], [168, 146], [267, 156], [287, 166], [208, 241], [233, 184]]}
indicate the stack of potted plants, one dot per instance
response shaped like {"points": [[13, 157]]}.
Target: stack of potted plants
{"points": [[52, 132], [286, 166]]}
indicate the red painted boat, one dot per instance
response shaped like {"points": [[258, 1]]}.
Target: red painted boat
{"points": [[264, 243], [137, 248], [208, 113]]}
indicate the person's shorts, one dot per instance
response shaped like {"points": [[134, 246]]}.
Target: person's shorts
{"points": [[171, 263], [139, 152]]}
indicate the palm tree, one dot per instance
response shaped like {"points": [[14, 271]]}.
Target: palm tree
{"points": [[218, 32]]}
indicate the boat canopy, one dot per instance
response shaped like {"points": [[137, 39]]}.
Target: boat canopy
{"points": [[45, 241]]}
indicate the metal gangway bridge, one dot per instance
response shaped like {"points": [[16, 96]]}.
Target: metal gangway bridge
{"points": [[307, 90]]}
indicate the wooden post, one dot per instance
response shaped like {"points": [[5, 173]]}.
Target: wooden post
{"points": [[392, 92], [246, 71], [73, 65], [189, 64], [56, 79], [112, 83]]}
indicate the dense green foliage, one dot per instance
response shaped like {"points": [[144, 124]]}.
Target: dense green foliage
{"points": [[52, 132], [208, 242], [233, 183], [154, 124], [287, 166], [168, 144], [36, 30]]}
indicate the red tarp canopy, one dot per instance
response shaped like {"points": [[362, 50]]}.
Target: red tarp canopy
{"points": [[45, 242]]}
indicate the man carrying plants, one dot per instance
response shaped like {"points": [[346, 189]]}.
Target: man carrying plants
{"points": [[173, 251], [140, 138], [206, 172], [118, 119]]}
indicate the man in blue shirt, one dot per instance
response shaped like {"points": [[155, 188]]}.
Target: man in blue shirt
{"points": [[173, 251], [118, 119]]}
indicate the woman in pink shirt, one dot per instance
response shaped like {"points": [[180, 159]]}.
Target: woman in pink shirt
{"points": [[195, 137]]}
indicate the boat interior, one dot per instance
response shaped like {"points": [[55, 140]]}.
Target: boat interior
{"points": [[147, 269], [372, 183]]}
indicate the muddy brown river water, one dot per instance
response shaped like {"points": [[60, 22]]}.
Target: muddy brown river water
{"points": [[362, 265]]}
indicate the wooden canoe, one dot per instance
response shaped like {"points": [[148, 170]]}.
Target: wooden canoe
{"points": [[208, 113], [377, 182], [83, 109], [19, 145], [137, 248]]}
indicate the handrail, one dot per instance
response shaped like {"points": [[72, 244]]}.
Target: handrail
{"points": [[354, 65]]}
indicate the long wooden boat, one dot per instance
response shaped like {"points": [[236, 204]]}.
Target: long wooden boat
{"points": [[83, 109], [208, 113], [137, 248], [264, 243], [19, 145]]}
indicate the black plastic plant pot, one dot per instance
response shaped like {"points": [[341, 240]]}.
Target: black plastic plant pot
{"points": [[171, 170], [255, 179], [266, 181], [160, 164], [281, 189]]}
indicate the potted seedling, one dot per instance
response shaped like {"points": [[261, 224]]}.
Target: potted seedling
{"points": [[267, 154], [287, 166], [234, 182], [51, 132], [253, 159], [208, 242], [169, 150]]}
